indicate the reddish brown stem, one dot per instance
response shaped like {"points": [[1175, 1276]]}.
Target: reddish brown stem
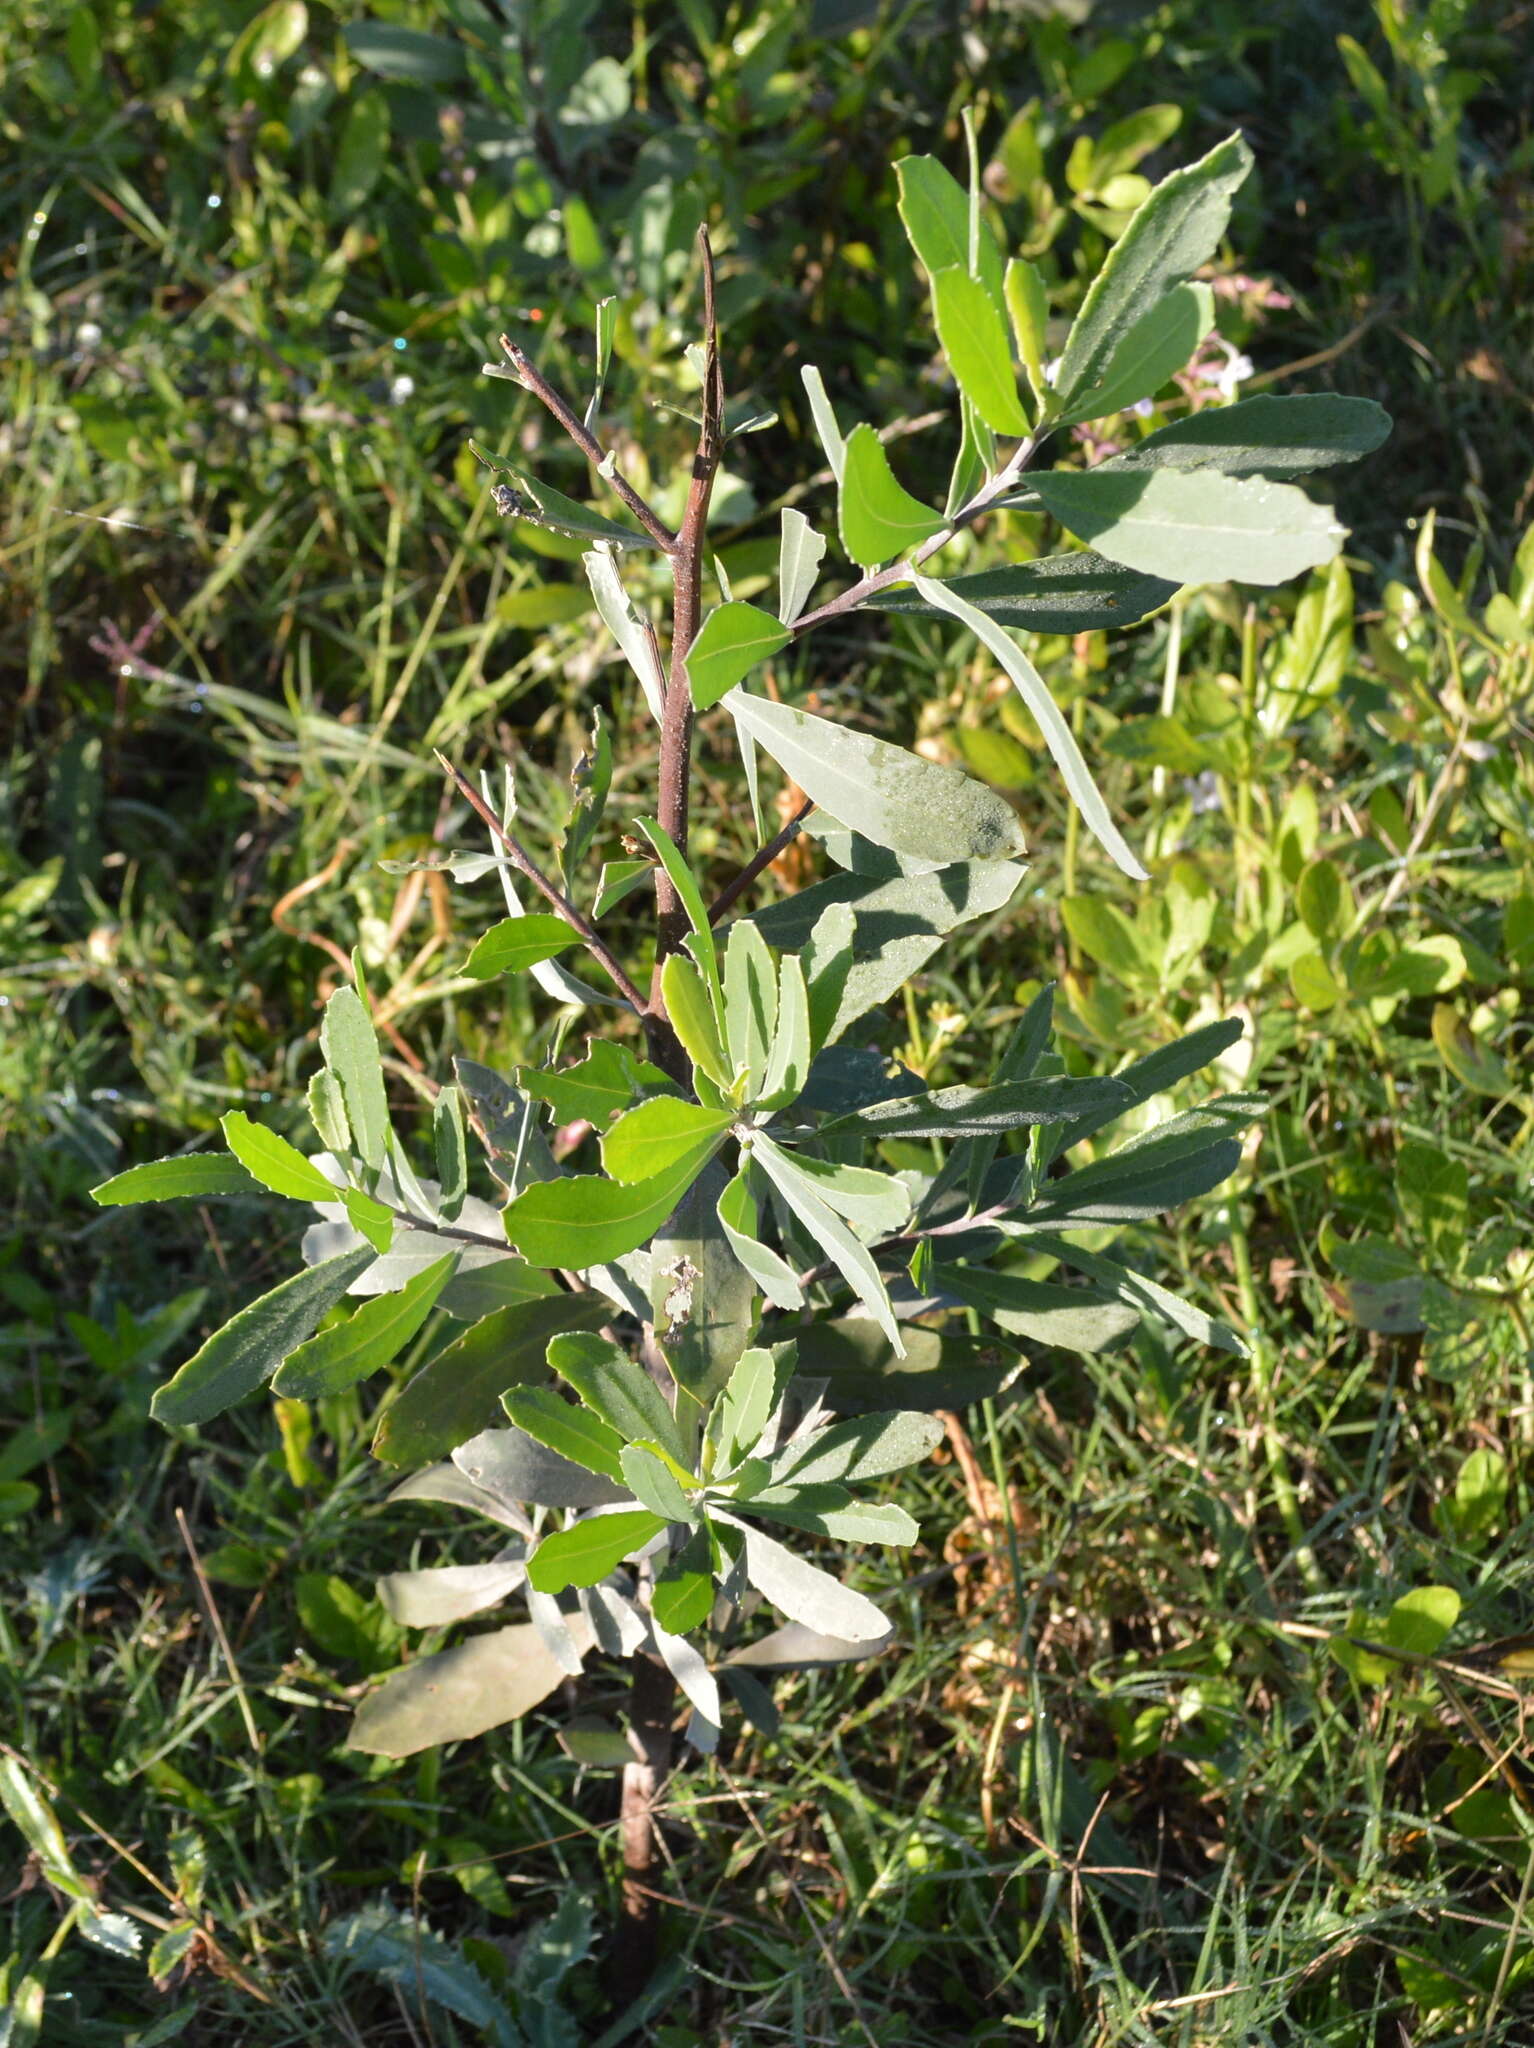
{"points": [[632, 1957]]}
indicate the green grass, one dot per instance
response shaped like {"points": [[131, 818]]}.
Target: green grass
{"points": [[1117, 1784]]}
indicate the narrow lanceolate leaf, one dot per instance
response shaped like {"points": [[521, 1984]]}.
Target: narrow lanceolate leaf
{"points": [[1155, 348], [624, 622], [1196, 525], [574, 1432], [690, 896], [879, 517], [702, 1304], [274, 1162], [455, 1396], [512, 1468], [875, 1204], [327, 1112], [934, 210], [432, 1599], [517, 943], [699, 1687], [825, 420], [732, 640], [617, 1388], [1264, 436], [587, 1221], [788, 1068], [864, 1448], [801, 550], [1028, 305], [451, 1147], [861, 1521], [756, 1386], [660, 1136], [806, 1594], [1072, 1318], [892, 797], [1144, 1294], [750, 1002], [189, 1177], [249, 1348], [588, 1552], [376, 1333], [652, 1481], [544, 506], [740, 1223], [978, 1112], [1076, 593], [1173, 234], [1047, 715], [461, 1692], [694, 1018], [370, 1219], [350, 1048], [827, 1230], [974, 338]]}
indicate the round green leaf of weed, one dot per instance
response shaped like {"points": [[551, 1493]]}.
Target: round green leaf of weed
{"points": [[1421, 1619], [517, 943], [659, 1135]]}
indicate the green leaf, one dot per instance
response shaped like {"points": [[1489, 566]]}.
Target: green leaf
{"points": [[1155, 348], [450, 1144], [587, 1221], [732, 640], [1143, 1294], [344, 1622], [701, 1299], [879, 518], [827, 966], [900, 924], [508, 1466], [740, 1223], [327, 1112], [188, 1176], [934, 209], [694, 1018], [860, 1521], [789, 1066], [595, 1089], [629, 627], [269, 40], [825, 421], [896, 799], [875, 1204], [652, 1481], [618, 1389], [1076, 593], [516, 943], [542, 505], [1175, 232], [976, 1112], [865, 1447], [827, 1230], [361, 152], [1159, 1170], [456, 1395], [1058, 736], [806, 1594], [690, 896], [660, 1136], [682, 1599], [574, 1432], [249, 1348], [407, 53], [588, 1552], [750, 1003], [458, 1694], [371, 1338], [369, 1219], [939, 1370], [274, 1162], [1420, 1619], [747, 1404], [974, 338], [1072, 1318], [1194, 525], [1158, 1071], [801, 550], [350, 1048], [1028, 305], [1264, 436]]}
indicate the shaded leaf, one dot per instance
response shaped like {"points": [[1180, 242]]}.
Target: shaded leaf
{"points": [[372, 1336], [1264, 436], [1075, 593], [350, 1048], [461, 1692]]}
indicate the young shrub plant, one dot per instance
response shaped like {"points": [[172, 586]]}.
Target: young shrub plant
{"points": [[684, 1360]]}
